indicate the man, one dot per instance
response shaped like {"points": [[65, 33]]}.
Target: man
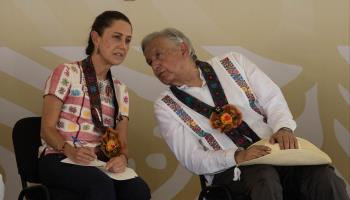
{"points": [[214, 110]]}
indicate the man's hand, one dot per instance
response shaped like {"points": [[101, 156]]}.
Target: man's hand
{"points": [[285, 138], [252, 152]]}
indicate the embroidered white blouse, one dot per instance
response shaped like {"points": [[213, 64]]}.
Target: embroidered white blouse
{"points": [[189, 134], [67, 83]]}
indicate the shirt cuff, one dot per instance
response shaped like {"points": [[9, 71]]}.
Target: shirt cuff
{"points": [[230, 158], [291, 125]]}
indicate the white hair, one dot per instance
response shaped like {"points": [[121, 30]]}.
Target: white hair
{"points": [[172, 34]]}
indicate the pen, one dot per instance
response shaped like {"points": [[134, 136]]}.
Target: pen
{"points": [[77, 141]]}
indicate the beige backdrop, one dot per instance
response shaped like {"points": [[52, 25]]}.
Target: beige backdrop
{"points": [[303, 45]]}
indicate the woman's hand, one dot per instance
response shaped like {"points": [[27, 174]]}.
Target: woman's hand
{"points": [[80, 155], [117, 164], [252, 152], [285, 138]]}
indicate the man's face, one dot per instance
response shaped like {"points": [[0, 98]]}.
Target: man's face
{"points": [[164, 56]]}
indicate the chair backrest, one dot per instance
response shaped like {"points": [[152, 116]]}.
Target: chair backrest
{"points": [[26, 142]]}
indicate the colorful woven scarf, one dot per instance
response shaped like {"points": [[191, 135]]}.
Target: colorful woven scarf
{"points": [[94, 94], [243, 135]]}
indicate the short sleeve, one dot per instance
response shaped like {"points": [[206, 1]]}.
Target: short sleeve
{"points": [[122, 96], [58, 83]]}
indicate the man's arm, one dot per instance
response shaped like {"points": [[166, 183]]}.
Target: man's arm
{"points": [[273, 103], [186, 146]]}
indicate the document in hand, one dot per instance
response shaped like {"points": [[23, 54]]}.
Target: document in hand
{"points": [[127, 174], [306, 154]]}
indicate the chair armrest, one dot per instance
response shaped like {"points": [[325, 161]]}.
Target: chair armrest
{"points": [[28, 191], [211, 190]]}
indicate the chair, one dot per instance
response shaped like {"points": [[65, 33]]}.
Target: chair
{"points": [[216, 192], [26, 141]]}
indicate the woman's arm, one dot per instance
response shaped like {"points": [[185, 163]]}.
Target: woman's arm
{"points": [[122, 129], [50, 116], [118, 164]]}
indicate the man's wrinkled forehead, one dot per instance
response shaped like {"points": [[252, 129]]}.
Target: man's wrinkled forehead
{"points": [[154, 45]]}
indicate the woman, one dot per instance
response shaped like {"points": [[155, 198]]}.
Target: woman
{"points": [[82, 104]]}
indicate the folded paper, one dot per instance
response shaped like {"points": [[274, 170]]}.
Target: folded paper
{"points": [[127, 174], [306, 154]]}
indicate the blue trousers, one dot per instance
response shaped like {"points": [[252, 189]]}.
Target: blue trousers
{"points": [[89, 183]]}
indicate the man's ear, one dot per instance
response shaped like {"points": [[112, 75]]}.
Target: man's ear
{"points": [[184, 49], [95, 37]]}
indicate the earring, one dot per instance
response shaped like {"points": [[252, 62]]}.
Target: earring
{"points": [[98, 50]]}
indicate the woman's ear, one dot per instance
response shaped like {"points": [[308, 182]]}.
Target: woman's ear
{"points": [[95, 37]]}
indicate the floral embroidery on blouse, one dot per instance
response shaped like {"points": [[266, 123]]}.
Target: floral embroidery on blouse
{"points": [[74, 69], [66, 72], [61, 90], [72, 109], [75, 92], [60, 124], [67, 83], [86, 127], [126, 99]]}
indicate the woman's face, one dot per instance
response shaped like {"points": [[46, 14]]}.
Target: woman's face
{"points": [[113, 44]]}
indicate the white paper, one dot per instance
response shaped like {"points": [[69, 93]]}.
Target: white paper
{"points": [[95, 163], [127, 174], [306, 154]]}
